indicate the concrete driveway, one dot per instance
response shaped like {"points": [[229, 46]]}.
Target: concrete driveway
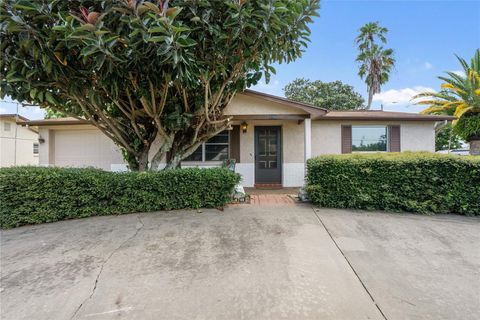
{"points": [[247, 262]]}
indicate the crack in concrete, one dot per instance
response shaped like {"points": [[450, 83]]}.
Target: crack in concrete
{"points": [[351, 266], [104, 263]]}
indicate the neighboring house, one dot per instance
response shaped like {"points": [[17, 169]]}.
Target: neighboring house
{"points": [[18, 144], [270, 141]]}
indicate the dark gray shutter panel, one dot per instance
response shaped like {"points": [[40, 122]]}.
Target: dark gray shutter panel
{"points": [[346, 139], [394, 138], [235, 143]]}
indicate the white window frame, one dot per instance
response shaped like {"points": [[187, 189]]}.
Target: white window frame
{"points": [[203, 145], [387, 131]]}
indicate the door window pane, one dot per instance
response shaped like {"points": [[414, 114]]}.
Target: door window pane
{"points": [[369, 138], [272, 146]]}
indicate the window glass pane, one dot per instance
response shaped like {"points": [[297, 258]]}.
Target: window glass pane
{"points": [[369, 138], [222, 137], [195, 156], [216, 152]]}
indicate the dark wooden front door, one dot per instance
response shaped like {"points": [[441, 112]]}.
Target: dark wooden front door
{"points": [[268, 151]]}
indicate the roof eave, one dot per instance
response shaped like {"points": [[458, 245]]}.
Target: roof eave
{"points": [[388, 118], [47, 122]]}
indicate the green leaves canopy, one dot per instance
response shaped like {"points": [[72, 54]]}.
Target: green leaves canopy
{"points": [[142, 70], [330, 95]]}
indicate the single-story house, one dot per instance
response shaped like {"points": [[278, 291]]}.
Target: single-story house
{"points": [[271, 138], [18, 144]]}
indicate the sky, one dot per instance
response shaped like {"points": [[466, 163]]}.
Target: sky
{"points": [[425, 35]]}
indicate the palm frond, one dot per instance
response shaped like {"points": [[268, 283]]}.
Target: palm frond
{"points": [[461, 110]]}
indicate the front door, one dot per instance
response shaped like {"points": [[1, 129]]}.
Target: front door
{"points": [[268, 151]]}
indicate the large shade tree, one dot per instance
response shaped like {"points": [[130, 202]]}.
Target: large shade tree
{"points": [[375, 61], [330, 95], [460, 97], [152, 75]]}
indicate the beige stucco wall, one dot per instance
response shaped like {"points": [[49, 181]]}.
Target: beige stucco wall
{"points": [[292, 140], [414, 135], [16, 148], [247, 105], [78, 146]]}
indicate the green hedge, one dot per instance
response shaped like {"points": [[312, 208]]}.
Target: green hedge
{"points": [[30, 195], [415, 182]]}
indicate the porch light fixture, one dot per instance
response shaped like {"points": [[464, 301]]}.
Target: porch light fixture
{"points": [[244, 127]]}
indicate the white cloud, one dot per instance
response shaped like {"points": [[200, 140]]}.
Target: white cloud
{"points": [[401, 99], [428, 65], [3, 110], [461, 73], [400, 96]]}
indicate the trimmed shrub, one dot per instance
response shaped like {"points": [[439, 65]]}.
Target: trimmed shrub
{"points": [[31, 195], [415, 182]]}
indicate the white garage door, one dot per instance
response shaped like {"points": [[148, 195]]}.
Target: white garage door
{"points": [[85, 148]]}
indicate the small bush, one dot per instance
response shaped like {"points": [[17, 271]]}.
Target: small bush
{"points": [[31, 195], [415, 182]]}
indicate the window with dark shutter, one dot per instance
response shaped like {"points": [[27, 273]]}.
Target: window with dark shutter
{"points": [[346, 139], [394, 138]]}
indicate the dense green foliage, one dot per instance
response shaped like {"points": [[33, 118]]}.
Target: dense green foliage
{"points": [[447, 137], [460, 97], [330, 95], [468, 128], [375, 61], [147, 70], [415, 182], [30, 195]]}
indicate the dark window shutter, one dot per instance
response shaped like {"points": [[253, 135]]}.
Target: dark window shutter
{"points": [[235, 143], [394, 138], [346, 139]]}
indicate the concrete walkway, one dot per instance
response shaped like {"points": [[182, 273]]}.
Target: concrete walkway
{"points": [[243, 263], [415, 267], [247, 262]]}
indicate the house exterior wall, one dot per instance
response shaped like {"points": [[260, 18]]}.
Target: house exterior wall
{"points": [[247, 105], [414, 135], [16, 144], [79, 147], [85, 146]]}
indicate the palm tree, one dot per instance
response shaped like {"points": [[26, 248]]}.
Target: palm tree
{"points": [[460, 97], [375, 61]]}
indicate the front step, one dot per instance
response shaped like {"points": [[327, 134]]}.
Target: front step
{"points": [[273, 186]]}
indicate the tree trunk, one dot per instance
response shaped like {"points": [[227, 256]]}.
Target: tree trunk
{"points": [[143, 161], [174, 162], [475, 147], [370, 98], [161, 154]]}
